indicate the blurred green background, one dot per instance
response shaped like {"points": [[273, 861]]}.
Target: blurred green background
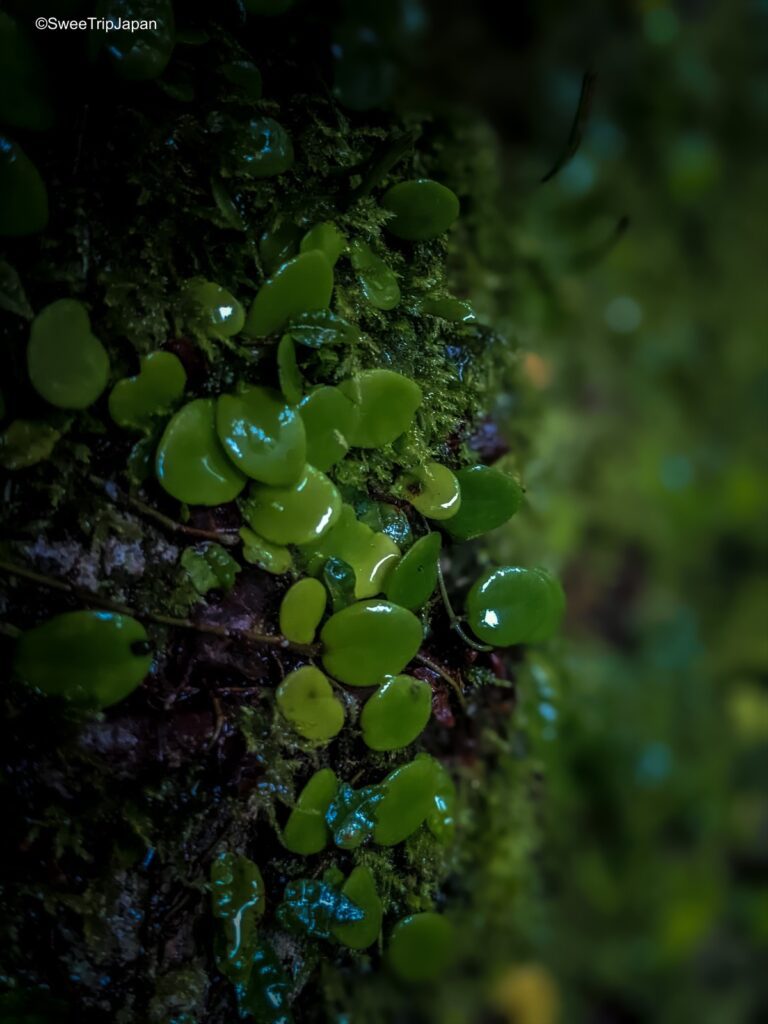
{"points": [[633, 884]]}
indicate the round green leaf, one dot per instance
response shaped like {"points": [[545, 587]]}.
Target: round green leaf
{"points": [[360, 888], [371, 555], [408, 799], [303, 284], [489, 498], [423, 209], [306, 831], [297, 514], [513, 605], [329, 421], [216, 310], [421, 947], [386, 403], [369, 640], [67, 364], [262, 435], [307, 700], [301, 610], [327, 238], [190, 463], [433, 490], [413, 580], [261, 148], [397, 713], [92, 658]]}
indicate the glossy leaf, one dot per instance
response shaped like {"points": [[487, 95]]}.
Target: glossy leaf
{"points": [[386, 402], [191, 464], [263, 436], [371, 555], [377, 280], [369, 640], [360, 889], [159, 384], [441, 820], [423, 209], [91, 658], [266, 998], [351, 815], [303, 284], [297, 514], [261, 148], [314, 908], [216, 310], [327, 238], [433, 490], [413, 580], [288, 372], [238, 901], [408, 800], [306, 831], [329, 421], [322, 329], [339, 578], [513, 605], [489, 498], [397, 713], [301, 610]]}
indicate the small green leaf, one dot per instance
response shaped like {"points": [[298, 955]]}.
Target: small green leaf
{"points": [[210, 567], [351, 815]]}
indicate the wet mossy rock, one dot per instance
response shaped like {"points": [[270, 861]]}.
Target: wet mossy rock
{"points": [[239, 430]]}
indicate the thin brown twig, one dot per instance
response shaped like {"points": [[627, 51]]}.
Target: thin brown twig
{"points": [[444, 675], [228, 538], [88, 597]]}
